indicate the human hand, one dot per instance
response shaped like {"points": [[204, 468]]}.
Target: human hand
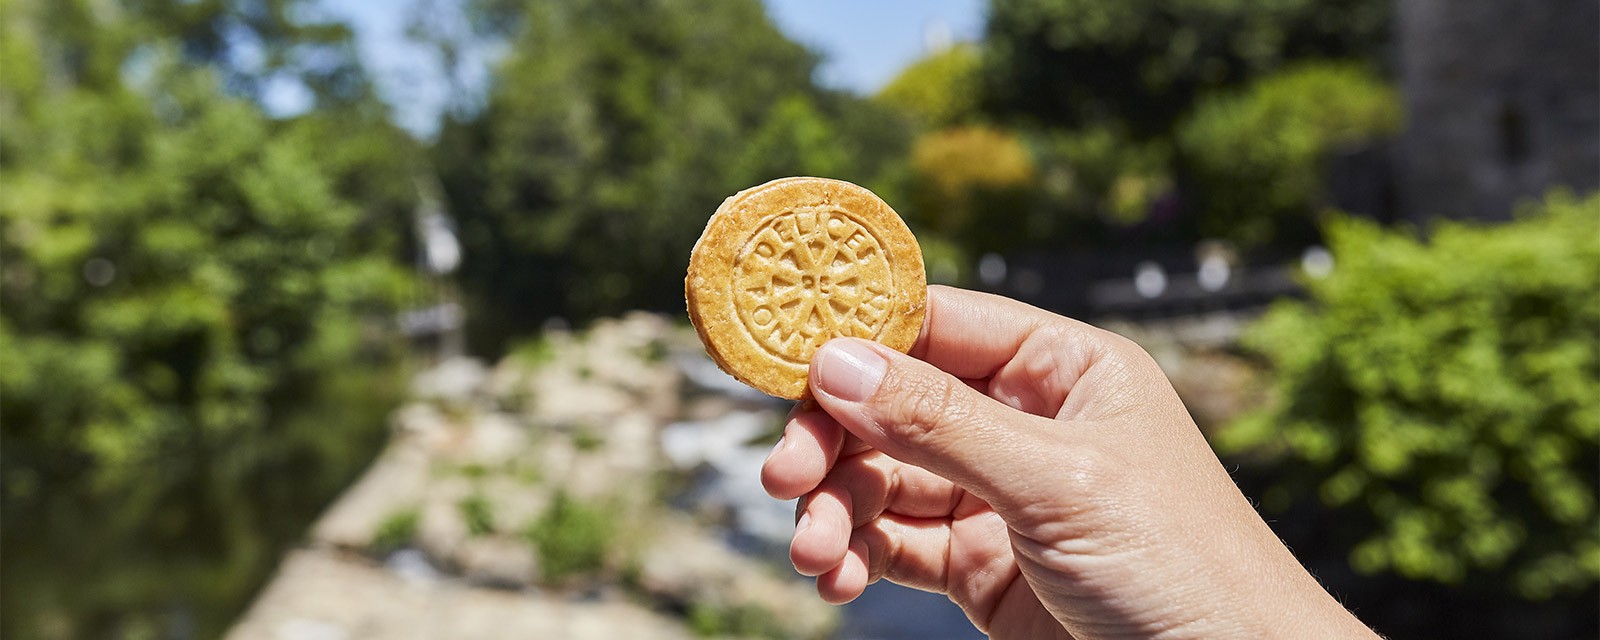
{"points": [[1040, 472]]}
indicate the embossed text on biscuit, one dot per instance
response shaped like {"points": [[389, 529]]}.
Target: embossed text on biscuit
{"points": [[808, 275]]}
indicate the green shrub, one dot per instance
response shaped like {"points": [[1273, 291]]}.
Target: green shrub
{"points": [[1259, 155], [397, 530], [477, 513], [742, 621], [1444, 397], [572, 538], [588, 438]]}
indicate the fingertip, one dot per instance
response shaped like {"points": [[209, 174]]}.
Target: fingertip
{"points": [[822, 536], [847, 581], [778, 477], [809, 447]]}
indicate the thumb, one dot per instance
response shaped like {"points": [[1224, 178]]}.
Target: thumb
{"points": [[917, 414]]}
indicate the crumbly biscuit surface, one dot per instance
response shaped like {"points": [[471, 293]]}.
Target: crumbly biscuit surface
{"points": [[786, 266]]}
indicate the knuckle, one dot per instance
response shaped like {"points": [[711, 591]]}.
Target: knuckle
{"points": [[920, 405], [1129, 355]]}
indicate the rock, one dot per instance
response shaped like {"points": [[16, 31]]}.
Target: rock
{"points": [[319, 595], [683, 564], [631, 443], [515, 502], [457, 379], [494, 439], [440, 527], [561, 396], [587, 421], [395, 482], [497, 561], [424, 424], [303, 629]]}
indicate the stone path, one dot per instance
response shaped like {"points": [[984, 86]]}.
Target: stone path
{"points": [[326, 595], [442, 536]]}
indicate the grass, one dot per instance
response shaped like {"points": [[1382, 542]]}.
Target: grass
{"points": [[535, 352], [572, 538], [588, 439], [397, 530], [743, 621], [477, 513]]}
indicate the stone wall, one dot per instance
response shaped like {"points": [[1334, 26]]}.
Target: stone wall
{"points": [[1503, 101]]}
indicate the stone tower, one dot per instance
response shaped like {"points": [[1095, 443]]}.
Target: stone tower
{"points": [[1503, 103]]}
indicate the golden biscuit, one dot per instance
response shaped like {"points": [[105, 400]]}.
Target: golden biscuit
{"points": [[784, 267]]}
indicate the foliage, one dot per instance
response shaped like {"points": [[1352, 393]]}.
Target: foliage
{"points": [[613, 130], [1444, 397], [1259, 154], [1101, 91], [1102, 173], [587, 439], [396, 530], [477, 513], [955, 165], [191, 314], [743, 621], [1142, 63], [572, 538], [941, 90]]}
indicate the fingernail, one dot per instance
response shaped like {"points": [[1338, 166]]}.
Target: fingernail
{"points": [[805, 521], [777, 447], [849, 370]]}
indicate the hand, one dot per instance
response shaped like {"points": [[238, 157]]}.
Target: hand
{"points": [[1041, 473]]}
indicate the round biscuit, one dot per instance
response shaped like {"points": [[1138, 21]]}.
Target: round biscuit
{"points": [[786, 266]]}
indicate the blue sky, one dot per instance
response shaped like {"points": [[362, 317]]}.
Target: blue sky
{"points": [[864, 43]]}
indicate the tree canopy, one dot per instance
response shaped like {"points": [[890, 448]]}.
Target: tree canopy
{"points": [[193, 316], [612, 132], [1145, 62]]}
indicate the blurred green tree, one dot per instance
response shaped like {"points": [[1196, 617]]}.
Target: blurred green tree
{"points": [[1259, 155], [1102, 173], [612, 131], [941, 90], [193, 312], [1143, 63], [1101, 90], [1443, 400], [970, 184]]}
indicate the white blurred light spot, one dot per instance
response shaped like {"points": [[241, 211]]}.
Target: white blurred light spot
{"points": [[1149, 280], [992, 269], [99, 271], [1317, 262], [440, 249], [1214, 273]]}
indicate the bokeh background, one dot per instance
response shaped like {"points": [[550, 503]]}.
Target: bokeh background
{"points": [[342, 319]]}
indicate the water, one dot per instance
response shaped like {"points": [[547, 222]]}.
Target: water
{"points": [[726, 456], [888, 611]]}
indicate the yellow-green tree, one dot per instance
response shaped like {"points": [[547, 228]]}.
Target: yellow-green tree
{"points": [[941, 90]]}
